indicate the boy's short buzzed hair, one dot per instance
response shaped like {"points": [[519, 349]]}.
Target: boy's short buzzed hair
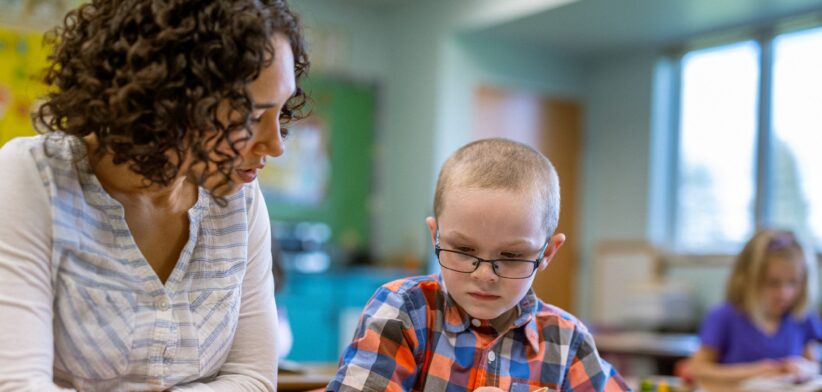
{"points": [[500, 163]]}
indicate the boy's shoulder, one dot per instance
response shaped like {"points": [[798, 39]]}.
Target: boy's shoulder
{"points": [[421, 283], [553, 317]]}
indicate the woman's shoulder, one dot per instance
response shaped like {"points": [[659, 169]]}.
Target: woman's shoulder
{"points": [[52, 149], [20, 159], [19, 148]]}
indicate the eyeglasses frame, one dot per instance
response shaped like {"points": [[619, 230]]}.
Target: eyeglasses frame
{"points": [[480, 260]]}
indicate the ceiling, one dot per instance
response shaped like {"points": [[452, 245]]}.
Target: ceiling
{"points": [[595, 27]]}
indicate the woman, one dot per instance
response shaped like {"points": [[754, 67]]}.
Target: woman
{"points": [[134, 241]]}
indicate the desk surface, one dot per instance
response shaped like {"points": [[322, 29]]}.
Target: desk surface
{"points": [[648, 344], [312, 376]]}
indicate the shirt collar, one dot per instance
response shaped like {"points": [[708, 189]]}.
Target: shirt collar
{"points": [[455, 320]]}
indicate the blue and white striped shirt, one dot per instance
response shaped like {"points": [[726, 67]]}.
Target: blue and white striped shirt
{"points": [[82, 308]]}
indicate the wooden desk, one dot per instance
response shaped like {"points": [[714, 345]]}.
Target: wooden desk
{"points": [[313, 376]]}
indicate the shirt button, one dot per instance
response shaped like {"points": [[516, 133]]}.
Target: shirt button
{"points": [[491, 356], [163, 304], [476, 322]]}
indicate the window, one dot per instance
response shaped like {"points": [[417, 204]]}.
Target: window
{"points": [[748, 143]]}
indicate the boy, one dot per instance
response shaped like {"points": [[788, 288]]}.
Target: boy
{"points": [[479, 324]]}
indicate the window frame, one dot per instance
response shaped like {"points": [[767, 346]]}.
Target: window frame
{"points": [[764, 37]]}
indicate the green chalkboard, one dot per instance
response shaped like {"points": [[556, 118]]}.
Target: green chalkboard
{"points": [[325, 173]]}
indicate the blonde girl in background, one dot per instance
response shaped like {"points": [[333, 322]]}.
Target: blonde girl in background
{"points": [[767, 325]]}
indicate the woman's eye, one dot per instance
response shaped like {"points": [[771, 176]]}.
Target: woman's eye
{"points": [[511, 255], [465, 249], [284, 132]]}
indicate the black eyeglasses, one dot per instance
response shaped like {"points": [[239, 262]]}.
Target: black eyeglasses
{"points": [[455, 260]]}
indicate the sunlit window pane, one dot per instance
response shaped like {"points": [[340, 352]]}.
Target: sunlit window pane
{"points": [[715, 199], [796, 145]]}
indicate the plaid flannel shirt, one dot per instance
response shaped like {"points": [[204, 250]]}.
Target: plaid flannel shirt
{"points": [[413, 337]]}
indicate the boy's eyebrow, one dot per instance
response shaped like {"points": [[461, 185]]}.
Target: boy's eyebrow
{"points": [[462, 237]]}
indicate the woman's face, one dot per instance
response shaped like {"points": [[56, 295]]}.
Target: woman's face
{"points": [[781, 285], [270, 92]]}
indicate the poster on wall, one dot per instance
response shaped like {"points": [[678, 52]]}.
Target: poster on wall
{"points": [[23, 59], [302, 175], [324, 175]]}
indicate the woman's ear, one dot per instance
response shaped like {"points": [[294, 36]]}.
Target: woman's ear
{"points": [[554, 244], [432, 228]]}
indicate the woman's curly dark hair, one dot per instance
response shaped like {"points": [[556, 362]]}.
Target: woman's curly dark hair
{"points": [[147, 76]]}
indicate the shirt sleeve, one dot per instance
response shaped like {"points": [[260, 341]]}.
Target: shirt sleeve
{"points": [[813, 328], [252, 360], [586, 370], [382, 356], [27, 353], [714, 329]]}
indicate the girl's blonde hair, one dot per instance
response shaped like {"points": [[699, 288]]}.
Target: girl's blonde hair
{"points": [[747, 278]]}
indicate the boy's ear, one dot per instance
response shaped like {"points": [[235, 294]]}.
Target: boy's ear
{"points": [[554, 244], [432, 227]]}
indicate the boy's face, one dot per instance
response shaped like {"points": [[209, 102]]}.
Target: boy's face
{"points": [[491, 224]]}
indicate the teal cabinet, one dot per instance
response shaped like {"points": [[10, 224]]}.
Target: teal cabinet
{"points": [[318, 304]]}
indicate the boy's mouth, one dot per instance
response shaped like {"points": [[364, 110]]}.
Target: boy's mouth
{"points": [[483, 296]]}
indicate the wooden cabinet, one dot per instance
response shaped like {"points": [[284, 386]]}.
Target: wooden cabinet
{"points": [[553, 126]]}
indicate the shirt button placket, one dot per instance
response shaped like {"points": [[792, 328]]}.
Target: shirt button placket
{"points": [[161, 335]]}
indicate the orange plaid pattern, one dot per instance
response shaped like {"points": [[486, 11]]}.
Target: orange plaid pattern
{"points": [[413, 337]]}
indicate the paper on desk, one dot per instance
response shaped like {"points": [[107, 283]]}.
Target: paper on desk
{"points": [[786, 384]]}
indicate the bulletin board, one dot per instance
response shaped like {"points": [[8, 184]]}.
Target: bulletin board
{"points": [[325, 173], [22, 61]]}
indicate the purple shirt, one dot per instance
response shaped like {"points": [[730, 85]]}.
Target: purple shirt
{"points": [[734, 336]]}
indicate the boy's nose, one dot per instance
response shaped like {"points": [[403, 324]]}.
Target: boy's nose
{"points": [[485, 272]]}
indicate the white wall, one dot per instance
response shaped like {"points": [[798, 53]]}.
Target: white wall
{"points": [[357, 34]]}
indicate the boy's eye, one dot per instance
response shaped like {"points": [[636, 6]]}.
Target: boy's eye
{"points": [[284, 132]]}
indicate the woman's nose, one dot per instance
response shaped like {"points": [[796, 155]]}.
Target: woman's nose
{"points": [[268, 140]]}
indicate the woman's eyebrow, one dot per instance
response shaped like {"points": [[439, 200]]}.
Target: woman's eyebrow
{"points": [[264, 105]]}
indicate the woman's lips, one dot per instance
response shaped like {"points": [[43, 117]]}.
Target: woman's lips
{"points": [[247, 175]]}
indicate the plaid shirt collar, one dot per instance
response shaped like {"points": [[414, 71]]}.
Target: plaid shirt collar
{"points": [[458, 321]]}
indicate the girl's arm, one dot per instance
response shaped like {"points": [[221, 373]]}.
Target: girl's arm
{"points": [[704, 367], [811, 353]]}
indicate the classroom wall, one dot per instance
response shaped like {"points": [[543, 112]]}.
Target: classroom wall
{"points": [[462, 62], [426, 87], [345, 40], [616, 151], [425, 94]]}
